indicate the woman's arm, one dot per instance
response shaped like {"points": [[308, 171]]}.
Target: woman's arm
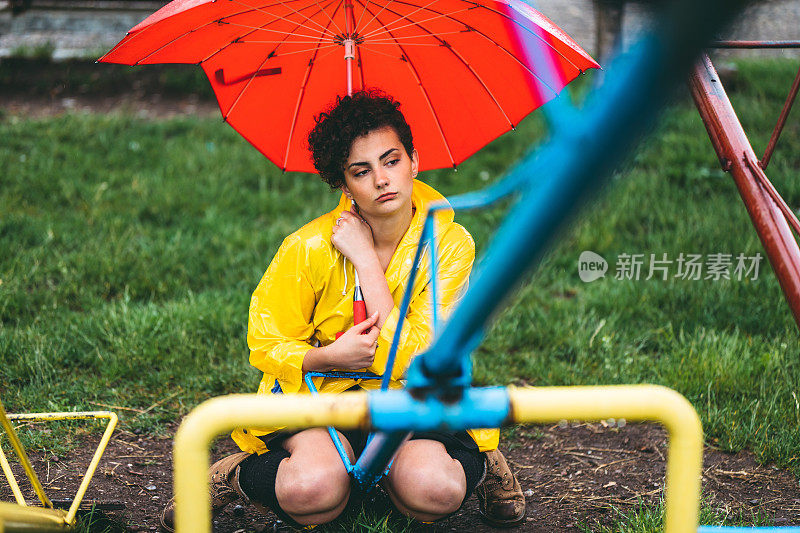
{"points": [[280, 316], [352, 236]]}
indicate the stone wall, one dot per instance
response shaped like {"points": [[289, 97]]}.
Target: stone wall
{"points": [[76, 28]]}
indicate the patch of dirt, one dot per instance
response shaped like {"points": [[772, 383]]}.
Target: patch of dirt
{"points": [[31, 88], [571, 475], [148, 106]]}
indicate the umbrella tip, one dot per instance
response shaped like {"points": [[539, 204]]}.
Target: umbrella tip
{"points": [[513, 127], [455, 168]]}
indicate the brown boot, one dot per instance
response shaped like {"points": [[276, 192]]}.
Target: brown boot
{"points": [[500, 497], [224, 488]]}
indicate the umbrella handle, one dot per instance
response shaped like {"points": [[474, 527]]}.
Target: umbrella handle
{"points": [[359, 312], [359, 305]]}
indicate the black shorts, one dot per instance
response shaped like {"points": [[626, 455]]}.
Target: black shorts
{"points": [[358, 439], [259, 471]]}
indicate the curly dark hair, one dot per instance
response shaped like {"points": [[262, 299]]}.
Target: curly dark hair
{"points": [[347, 119]]}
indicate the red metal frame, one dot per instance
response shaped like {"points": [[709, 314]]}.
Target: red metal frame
{"points": [[767, 209], [776, 133]]}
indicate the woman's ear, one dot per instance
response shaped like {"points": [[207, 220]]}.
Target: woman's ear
{"points": [[346, 191], [414, 163]]}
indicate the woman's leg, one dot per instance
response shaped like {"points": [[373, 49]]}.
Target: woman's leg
{"points": [[311, 486], [425, 482]]}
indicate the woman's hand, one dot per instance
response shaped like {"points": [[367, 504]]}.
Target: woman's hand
{"points": [[352, 236], [355, 349]]}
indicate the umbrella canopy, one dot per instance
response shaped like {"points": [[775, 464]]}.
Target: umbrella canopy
{"points": [[461, 69]]}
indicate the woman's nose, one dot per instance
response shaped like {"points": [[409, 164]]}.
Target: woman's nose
{"points": [[381, 178]]}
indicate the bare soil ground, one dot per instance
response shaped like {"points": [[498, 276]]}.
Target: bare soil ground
{"points": [[571, 475]]}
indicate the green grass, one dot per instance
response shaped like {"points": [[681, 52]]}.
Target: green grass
{"points": [[130, 249], [645, 518]]}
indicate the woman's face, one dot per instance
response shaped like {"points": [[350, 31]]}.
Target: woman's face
{"points": [[379, 173]]}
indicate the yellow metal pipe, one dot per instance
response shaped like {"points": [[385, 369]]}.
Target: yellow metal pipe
{"points": [[219, 415], [87, 477], [12, 481], [529, 404], [23, 457], [66, 415], [17, 519], [635, 403], [90, 470]]}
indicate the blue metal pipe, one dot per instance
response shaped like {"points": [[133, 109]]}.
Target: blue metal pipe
{"points": [[398, 410], [376, 458], [569, 169], [337, 443], [387, 372], [393, 413]]}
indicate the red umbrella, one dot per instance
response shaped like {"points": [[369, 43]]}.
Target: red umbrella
{"points": [[461, 69]]}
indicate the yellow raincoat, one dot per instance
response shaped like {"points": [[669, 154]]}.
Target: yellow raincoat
{"points": [[306, 296]]}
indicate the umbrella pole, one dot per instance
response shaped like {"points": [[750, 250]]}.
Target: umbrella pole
{"points": [[349, 45]]}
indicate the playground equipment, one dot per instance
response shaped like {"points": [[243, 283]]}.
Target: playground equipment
{"points": [[770, 215], [21, 516], [550, 183]]}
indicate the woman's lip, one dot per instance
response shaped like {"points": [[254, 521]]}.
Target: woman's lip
{"points": [[387, 196]]}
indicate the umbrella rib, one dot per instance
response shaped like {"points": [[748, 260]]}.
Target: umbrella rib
{"points": [[158, 24], [250, 33], [424, 93], [436, 45], [469, 67], [412, 23], [255, 73], [257, 28], [300, 97], [365, 47], [181, 36], [504, 49], [329, 17], [360, 64], [389, 26], [188, 32], [360, 18], [375, 16], [282, 3], [332, 45], [420, 36], [553, 48], [246, 85], [239, 41]]}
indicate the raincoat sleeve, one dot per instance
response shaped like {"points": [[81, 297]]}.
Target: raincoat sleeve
{"points": [[456, 255], [280, 324]]}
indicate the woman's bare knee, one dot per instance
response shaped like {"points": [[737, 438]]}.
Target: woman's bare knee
{"points": [[429, 500], [304, 491], [313, 483], [425, 482]]}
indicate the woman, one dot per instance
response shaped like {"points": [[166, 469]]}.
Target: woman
{"points": [[301, 318]]}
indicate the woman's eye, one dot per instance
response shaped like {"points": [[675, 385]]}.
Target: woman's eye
{"points": [[393, 161], [361, 173]]}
